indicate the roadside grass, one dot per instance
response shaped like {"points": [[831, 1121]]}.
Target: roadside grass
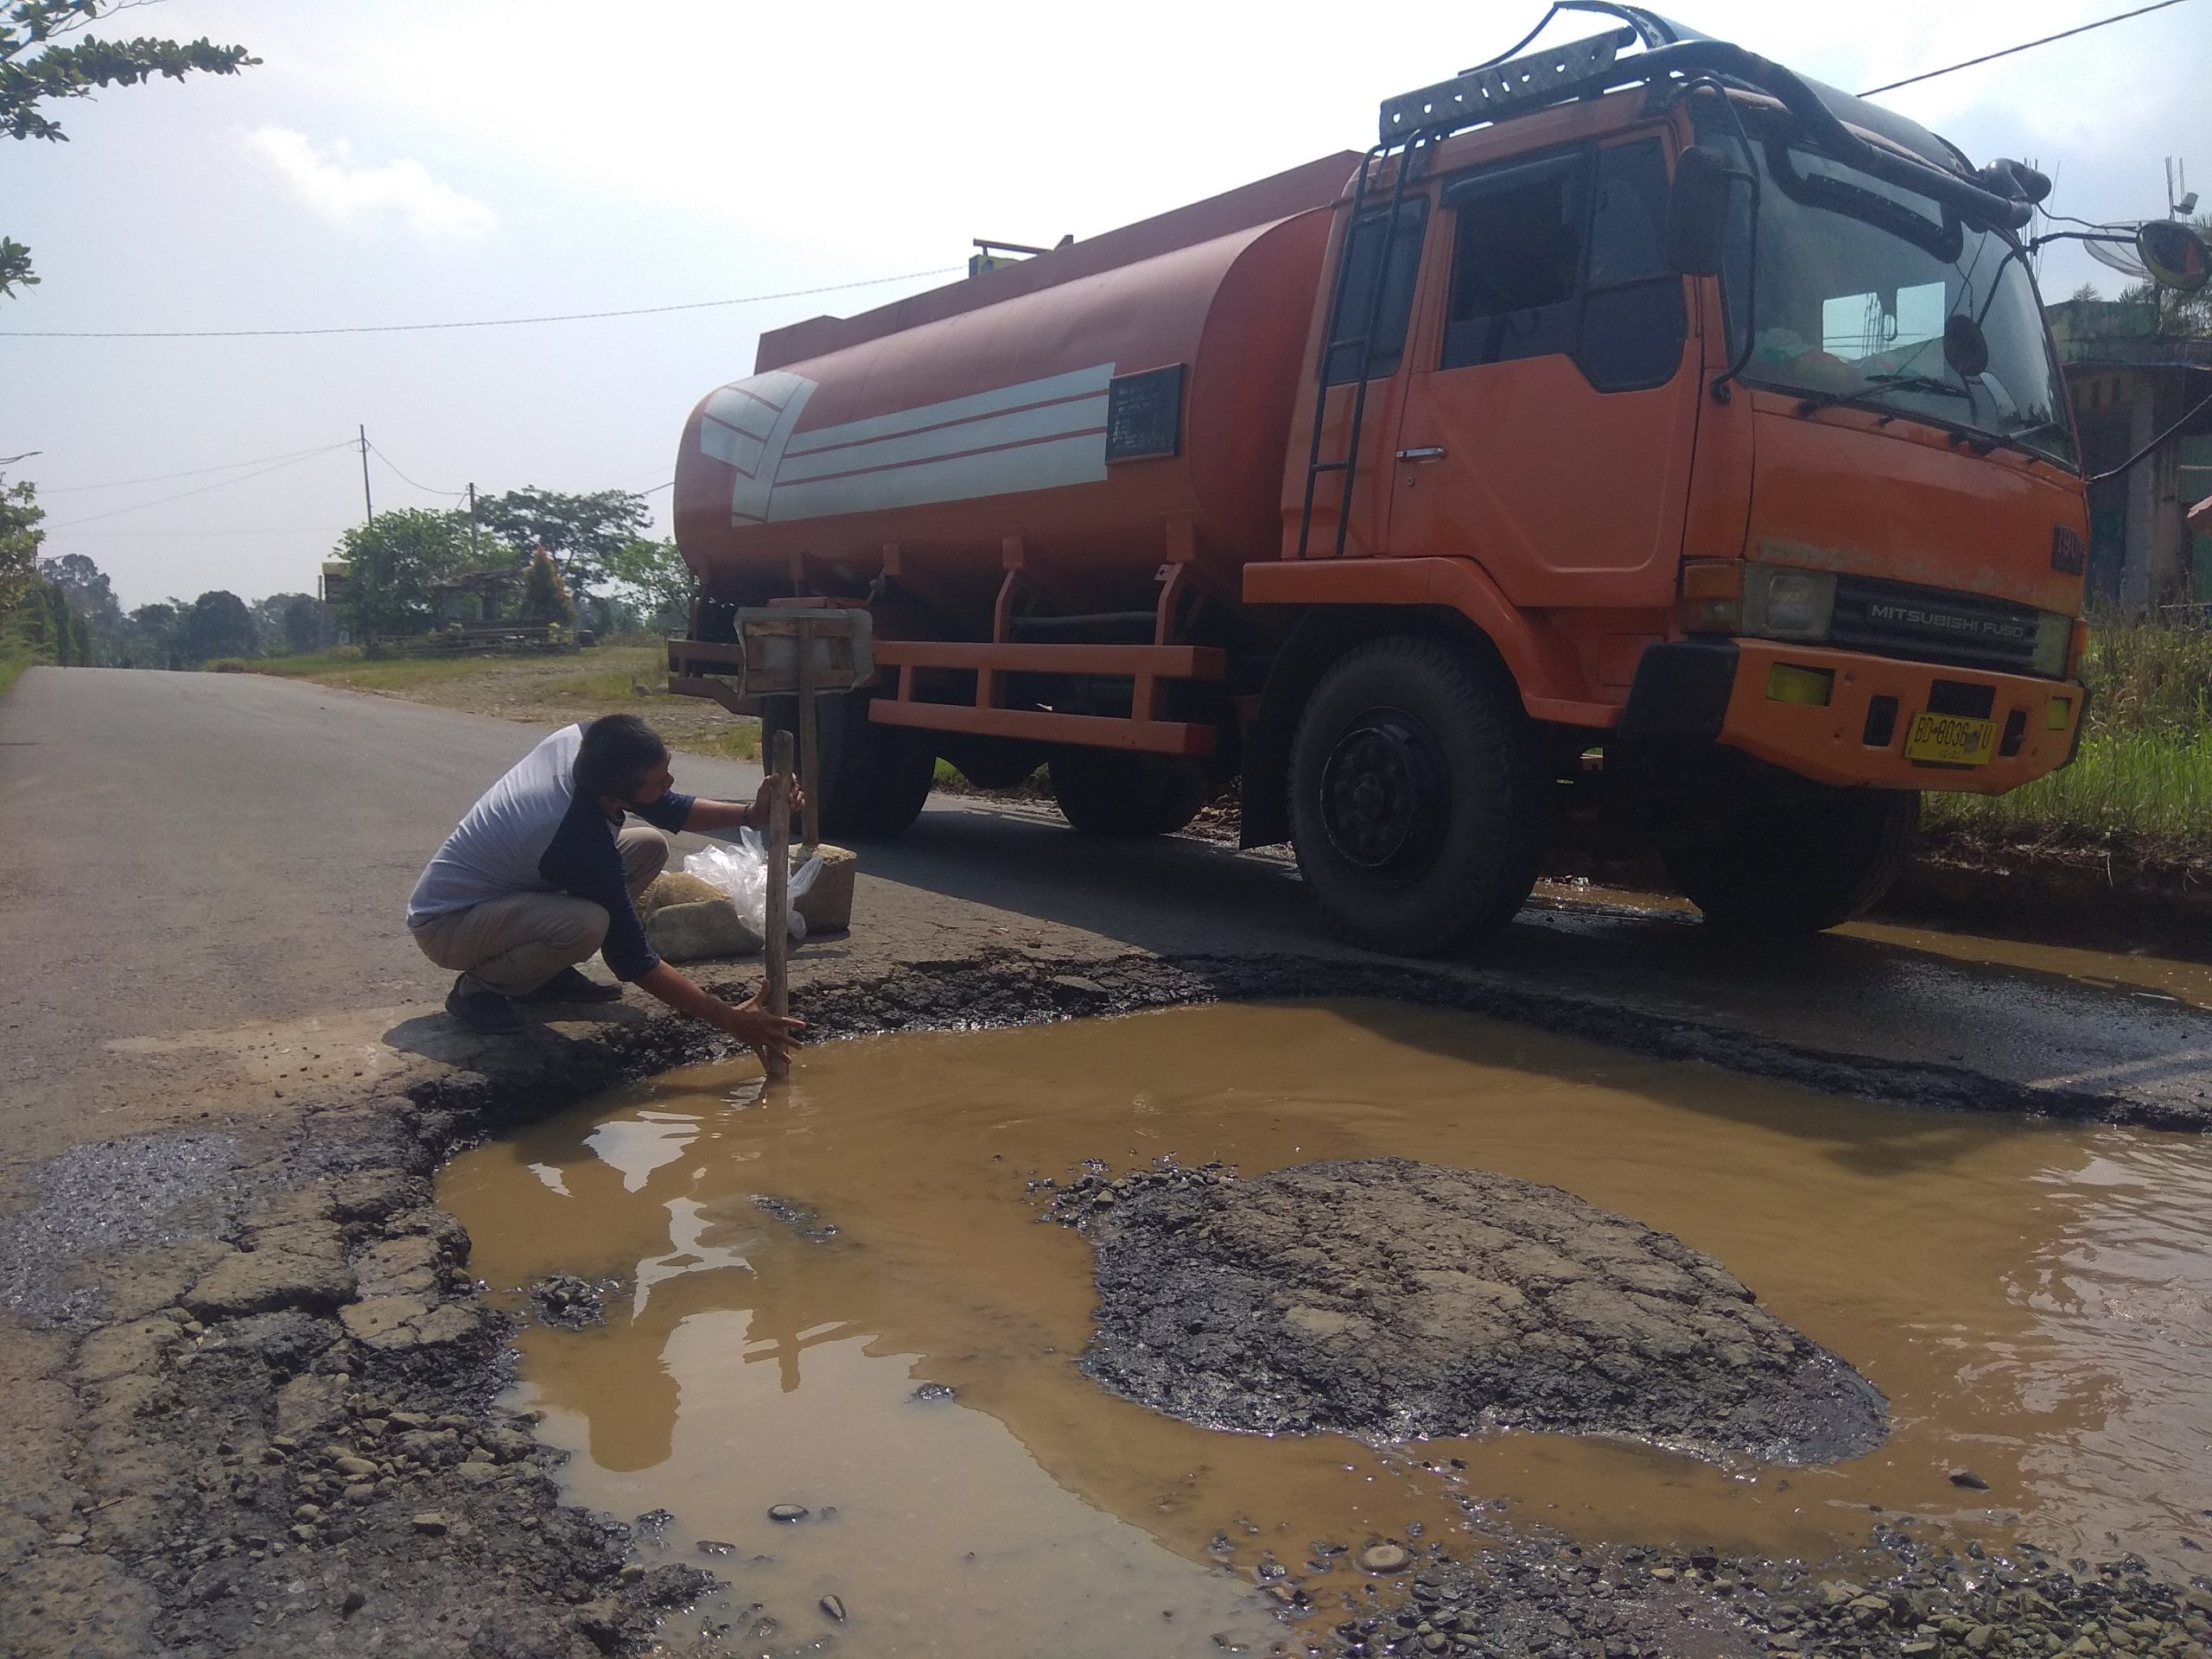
{"points": [[540, 687], [15, 657], [2141, 787]]}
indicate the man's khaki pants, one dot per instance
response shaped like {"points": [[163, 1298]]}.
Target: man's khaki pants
{"points": [[513, 945]]}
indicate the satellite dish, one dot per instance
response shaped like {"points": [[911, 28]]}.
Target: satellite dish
{"points": [[2174, 254]]}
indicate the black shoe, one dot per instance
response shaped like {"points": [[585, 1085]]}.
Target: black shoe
{"points": [[569, 986], [485, 1011]]}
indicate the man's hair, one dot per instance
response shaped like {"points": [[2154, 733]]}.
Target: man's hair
{"points": [[617, 751]]}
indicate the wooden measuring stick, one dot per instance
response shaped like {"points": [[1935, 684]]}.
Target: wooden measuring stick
{"points": [[810, 753], [776, 947]]}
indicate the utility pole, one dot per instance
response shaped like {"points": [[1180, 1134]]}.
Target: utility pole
{"points": [[367, 504], [473, 557]]}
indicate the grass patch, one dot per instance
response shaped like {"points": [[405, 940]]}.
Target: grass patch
{"points": [[15, 657], [540, 687], [2140, 788]]}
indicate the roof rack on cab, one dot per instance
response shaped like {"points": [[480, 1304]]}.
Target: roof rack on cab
{"points": [[2001, 195]]}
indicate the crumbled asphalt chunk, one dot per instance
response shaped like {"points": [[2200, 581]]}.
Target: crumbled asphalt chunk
{"points": [[801, 1218], [1392, 1300], [1904, 1596], [562, 1299]]}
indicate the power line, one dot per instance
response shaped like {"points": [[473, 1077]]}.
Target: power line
{"points": [[163, 478], [160, 501], [480, 322], [1991, 57], [266, 529], [404, 478]]}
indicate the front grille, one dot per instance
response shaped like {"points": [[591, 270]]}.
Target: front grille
{"points": [[1928, 624]]}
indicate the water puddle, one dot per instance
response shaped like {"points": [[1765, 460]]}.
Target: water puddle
{"points": [[2034, 1300]]}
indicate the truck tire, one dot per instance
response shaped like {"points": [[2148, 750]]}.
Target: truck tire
{"points": [[1417, 805], [1797, 862], [873, 778], [1112, 792]]}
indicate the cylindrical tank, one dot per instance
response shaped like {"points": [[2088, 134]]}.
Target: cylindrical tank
{"points": [[946, 438]]}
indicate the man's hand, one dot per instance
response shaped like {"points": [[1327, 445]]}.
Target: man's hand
{"points": [[756, 815], [772, 1037]]}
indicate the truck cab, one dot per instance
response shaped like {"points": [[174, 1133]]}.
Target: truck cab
{"points": [[1733, 439]]}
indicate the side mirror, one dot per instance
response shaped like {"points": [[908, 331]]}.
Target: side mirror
{"points": [[1966, 348], [2173, 254], [1697, 211]]}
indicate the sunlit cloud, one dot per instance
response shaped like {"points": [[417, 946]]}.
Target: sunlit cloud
{"points": [[327, 179]]}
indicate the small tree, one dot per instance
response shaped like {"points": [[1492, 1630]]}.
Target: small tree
{"points": [[20, 536], [655, 578], [34, 71], [544, 597], [583, 533], [395, 561]]}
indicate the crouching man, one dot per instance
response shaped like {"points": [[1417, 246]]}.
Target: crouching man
{"points": [[544, 871]]}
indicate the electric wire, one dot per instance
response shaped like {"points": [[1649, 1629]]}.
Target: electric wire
{"points": [[222, 483], [474, 322], [163, 478], [1992, 57], [2195, 409], [409, 482]]}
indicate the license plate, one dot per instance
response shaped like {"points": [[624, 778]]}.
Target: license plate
{"points": [[1951, 739]]}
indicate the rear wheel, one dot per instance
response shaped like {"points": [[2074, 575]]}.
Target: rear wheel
{"points": [[1112, 792], [1795, 860], [873, 780], [1417, 805]]}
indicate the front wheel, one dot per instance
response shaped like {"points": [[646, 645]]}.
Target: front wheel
{"points": [[1795, 860], [1417, 804]]}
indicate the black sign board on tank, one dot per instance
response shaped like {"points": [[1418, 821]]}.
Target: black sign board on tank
{"points": [[1144, 414]]}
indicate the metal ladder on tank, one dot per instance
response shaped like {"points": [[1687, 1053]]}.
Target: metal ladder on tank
{"points": [[1405, 149]]}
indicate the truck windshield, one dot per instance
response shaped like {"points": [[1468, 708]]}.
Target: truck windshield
{"points": [[1858, 280]]}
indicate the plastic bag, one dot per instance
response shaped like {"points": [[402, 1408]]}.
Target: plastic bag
{"points": [[741, 869]]}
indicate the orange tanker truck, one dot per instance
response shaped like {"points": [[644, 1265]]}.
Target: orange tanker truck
{"points": [[1640, 443]]}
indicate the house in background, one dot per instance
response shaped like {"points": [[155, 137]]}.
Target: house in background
{"points": [[477, 597], [2128, 383]]}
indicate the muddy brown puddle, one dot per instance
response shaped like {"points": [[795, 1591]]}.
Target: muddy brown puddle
{"points": [[2034, 1300]]}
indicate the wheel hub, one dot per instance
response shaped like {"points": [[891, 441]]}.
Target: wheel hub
{"points": [[1383, 794]]}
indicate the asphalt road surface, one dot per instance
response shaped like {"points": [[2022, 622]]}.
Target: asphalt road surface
{"points": [[191, 859]]}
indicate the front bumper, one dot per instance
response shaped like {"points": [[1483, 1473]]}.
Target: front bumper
{"points": [[1720, 691]]}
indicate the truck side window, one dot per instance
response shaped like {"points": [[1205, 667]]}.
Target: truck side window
{"points": [[1355, 293], [1633, 321], [1565, 256], [1515, 261]]}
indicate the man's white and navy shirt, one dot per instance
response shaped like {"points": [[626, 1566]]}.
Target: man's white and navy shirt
{"points": [[531, 832]]}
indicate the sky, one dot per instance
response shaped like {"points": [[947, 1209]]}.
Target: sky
{"points": [[420, 160]]}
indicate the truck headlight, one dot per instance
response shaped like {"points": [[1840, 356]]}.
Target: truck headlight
{"points": [[2053, 634], [1783, 604]]}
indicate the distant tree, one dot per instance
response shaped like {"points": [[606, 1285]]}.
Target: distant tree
{"points": [[150, 634], [394, 562], [35, 70], [219, 625], [92, 597], [654, 577], [545, 599], [584, 533], [304, 624], [2086, 291], [289, 624]]}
